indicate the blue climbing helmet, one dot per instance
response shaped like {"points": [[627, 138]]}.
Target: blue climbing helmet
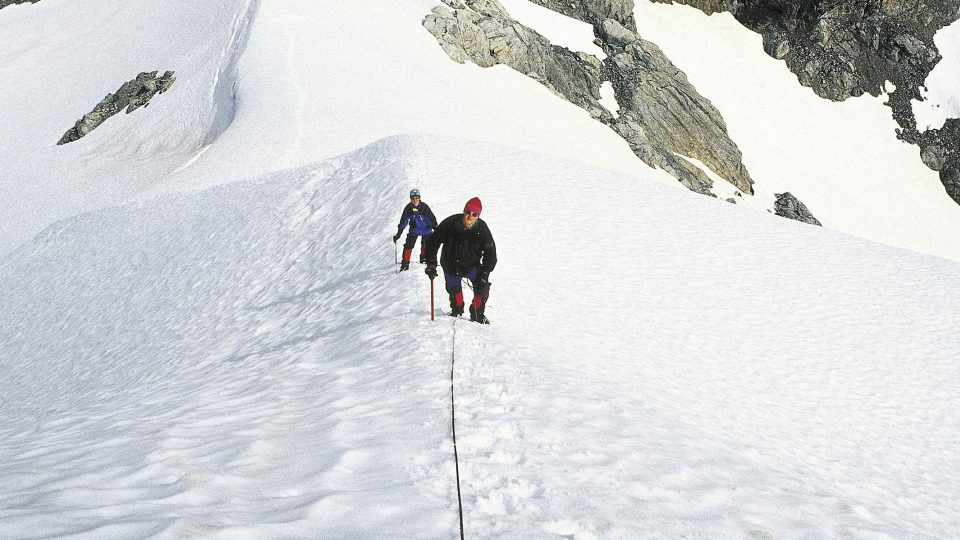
{"points": [[414, 193]]}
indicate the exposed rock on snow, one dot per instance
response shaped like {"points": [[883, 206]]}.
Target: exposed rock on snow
{"points": [[950, 176], [131, 95], [846, 49], [481, 32], [661, 114], [939, 148], [5, 3], [594, 11], [790, 207]]}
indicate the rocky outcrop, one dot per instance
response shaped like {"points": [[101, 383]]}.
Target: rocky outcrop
{"points": [[939, 148], [594, 11], [950, 176], [5, 3], [661, 116], [483, 34], [844, 49], [131, 96], [789, 207], [662, 110]]}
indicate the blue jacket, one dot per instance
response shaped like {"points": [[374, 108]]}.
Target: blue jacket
{"points": [[420, 218]]}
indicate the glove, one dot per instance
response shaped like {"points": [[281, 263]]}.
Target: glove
{"points": [[483, 279], [396, 237], [431, 270]]}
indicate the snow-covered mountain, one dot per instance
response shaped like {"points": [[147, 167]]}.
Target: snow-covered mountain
{"points": [[310, 81], [203, 334]]}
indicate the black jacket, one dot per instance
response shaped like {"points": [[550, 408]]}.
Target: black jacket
{"points": [[463, 248]]}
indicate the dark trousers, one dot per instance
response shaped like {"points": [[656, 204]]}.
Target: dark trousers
{"points": [[454, 284], [410, 241]]}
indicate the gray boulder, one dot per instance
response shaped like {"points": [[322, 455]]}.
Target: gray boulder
{"points": [[131, 96], [790, 207]]}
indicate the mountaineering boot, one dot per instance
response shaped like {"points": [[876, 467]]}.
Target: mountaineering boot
{"points": [[476, 315], [404, 265], [456, 304]]}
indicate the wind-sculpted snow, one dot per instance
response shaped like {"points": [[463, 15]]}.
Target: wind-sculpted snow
{"points": [[245, 362]]}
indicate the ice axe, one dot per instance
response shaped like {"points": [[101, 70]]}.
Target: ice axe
{"points": [[396, 261]]}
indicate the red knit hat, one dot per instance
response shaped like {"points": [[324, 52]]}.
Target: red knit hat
{"points": [[473, 205]]}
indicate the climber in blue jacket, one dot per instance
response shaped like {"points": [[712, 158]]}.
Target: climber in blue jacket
{"points": [[421, 220]]}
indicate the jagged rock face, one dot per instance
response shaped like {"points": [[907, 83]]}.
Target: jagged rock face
{"points": [[847, 48], [939, 148], [789, 207], [662, 116], [950, 176], [132, 95], [483, 34], [594, 11], [5, 3], [844, 49], [657, 101]]}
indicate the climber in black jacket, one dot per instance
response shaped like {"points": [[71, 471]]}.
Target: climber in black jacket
{"points": [[468, 252]]}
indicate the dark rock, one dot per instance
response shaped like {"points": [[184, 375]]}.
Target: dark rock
{"points": [[132, 95], [950, 176], [5, 3], [594, 11], [848, 48], [790, 207], [844, 49]]}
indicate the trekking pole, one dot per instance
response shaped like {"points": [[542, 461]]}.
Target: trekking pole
{"points": [[396, 269], [431, 299]]}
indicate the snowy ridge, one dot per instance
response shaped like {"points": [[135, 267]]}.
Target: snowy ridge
{"points": [[220, 329], [243, 361]]}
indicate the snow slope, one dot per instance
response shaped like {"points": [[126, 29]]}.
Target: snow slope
{"points": [[229, 353], [244, 362], [266, 86]]}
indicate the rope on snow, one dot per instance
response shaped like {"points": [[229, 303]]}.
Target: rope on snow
{"points": [[453, 425]]}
